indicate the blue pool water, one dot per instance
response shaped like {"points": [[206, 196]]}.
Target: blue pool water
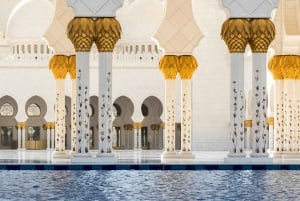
{"points": [[150, 185]]}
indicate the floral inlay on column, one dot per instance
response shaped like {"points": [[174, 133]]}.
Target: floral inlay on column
{"points": [[236, 34], [81, 32]]}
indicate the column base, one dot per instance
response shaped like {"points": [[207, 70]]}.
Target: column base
{"points": [[237, 154], [169, 155], [287, 155], [81, 158], [106, 157], [259, 154], [186, 155], [60, 154]]}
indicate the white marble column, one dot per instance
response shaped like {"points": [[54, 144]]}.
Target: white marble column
{"points": [[288, 102], [297, 110], [137, 135], [60, 113], [271, 133], [105, 103], [19, 127], [248, 138], [72, 72], [237, 104], [52, 136], [187, 66], [82, 103], [48, 133], [236, 34], [81, 32], [58, 66], [259, 97], [108, 32], [169, 67], [278, 117], [23, 135], [169, 139], [259, 43]]}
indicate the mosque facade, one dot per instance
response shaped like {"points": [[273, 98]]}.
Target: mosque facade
{"points": [[219, 96]]}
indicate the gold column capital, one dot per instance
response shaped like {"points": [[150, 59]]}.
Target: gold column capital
{"points": [[187, 66], [262, 34], [270, 120], [128, 127], [163, 125], [137, 125], [72, 66], [248, 123], [236, 34], [81, 32], [290, 66], [275, 67], [168, 64], [108, 32], [21, 125], [58, 66]]}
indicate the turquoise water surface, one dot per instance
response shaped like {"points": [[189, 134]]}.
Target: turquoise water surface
{"points": [[150, 185]]}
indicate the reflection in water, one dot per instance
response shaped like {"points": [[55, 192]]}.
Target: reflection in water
{"points": [[149, 185]]}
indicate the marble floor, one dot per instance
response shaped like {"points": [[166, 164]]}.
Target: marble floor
{"points": [[141, 157]]}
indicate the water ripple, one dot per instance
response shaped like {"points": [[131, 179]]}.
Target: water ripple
{"points": [[149, 185]]}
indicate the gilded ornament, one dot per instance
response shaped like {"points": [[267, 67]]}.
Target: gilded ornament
{"points": [[262, 34], [137, 125], [285, 67], [72, 66], [248, 123], [108, 32], [81, 32], [275, 67], [236, 34], [289, 66], [187, 66], [58, 65], [169, 66], [270, 120]]}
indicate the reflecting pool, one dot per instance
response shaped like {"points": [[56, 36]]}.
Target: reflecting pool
{"points": [[150, 185]]}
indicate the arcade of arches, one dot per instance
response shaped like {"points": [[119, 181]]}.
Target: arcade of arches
{"points": [[35, 128]]}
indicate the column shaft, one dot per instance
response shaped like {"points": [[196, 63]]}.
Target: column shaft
{"points": [[105, 102], [259, 113], [169, 137], [289, 137], [52, 133], [82, 102], [278, 117], [186, 116], [73, 116], [48, 130], [237, 105], [23, 136], [60, 116], [19, 136]]}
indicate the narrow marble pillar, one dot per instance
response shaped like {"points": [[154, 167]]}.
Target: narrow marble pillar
{"points": [[52, 135], [108, 32], [271, 133], [169, 67], [236, 34], [137, 135], [187, 66], [248, 138], [262, 34], [23, 135], [72, 72], [58, 66], [288, 108], [47, 126], [81, 32], [19, 127], [275, 68]]}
